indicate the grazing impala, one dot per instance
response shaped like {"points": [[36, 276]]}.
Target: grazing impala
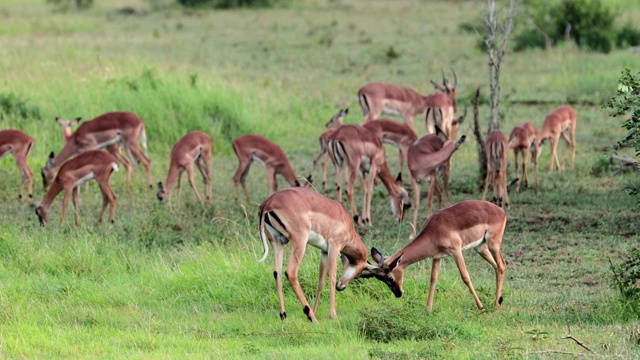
{"points": [[194, 147], [304, 217], [465, 225], [250, 148], [20, 145], [396, 134], [363, 152], [383, 98], [561, 121], [497, 153], [66, 126], [425, 157], [523, 139], [92, 164], [335, 122], [107, 130]]}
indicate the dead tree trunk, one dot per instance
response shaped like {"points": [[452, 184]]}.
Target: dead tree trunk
{"points": [[482, 151], [496, 54]]}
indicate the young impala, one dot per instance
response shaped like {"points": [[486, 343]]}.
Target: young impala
{"points": [[18, 144], [427, 155], [362, 152], [399, 135], [107, 130], [335, 122], [497, 153], [66, 126], [560, 122], [193, 148], [92, 164], [465, 225], [523, 139], [250, 148], [384, 98], [304, 217]]}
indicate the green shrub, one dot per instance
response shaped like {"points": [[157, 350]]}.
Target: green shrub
{"points": [[626, 278], [14, 105], [227, 4]]}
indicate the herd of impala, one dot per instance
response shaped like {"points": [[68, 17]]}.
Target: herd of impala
{"points": [[302, 216]]}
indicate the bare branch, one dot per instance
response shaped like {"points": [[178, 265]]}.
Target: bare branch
{"points": [[569, 336]]}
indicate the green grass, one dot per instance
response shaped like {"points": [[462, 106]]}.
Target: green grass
{"points": [[184, 282]]}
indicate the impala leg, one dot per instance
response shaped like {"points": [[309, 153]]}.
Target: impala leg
{"points": [[435, 269], [180, 185], [445, 181], [573, 143], [25, 173], [114, 149], [498, 264], [339, 170], [416, 203], [524, 171], [515, 156], [570, 143], [554, 154], [191, 182], [369, 194], [325, 164], [334, 253], [433, 187], [65, 201], [140, 156], [297, 253], [503, 186], [486, 182], [240, 177], [205, 170], [105, 201], [273, 183], [350, 187], [74, 195], [322, 279], [278, 250], [459, 259]]}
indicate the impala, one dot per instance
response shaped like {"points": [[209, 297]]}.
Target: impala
{"points": [[523, 139], [302, 216], [465, 225], [497, 152], [18, 144], [396, 134], [384, 98], [335, 122], [92, 164], [425, 157], [250, 148], [107, 130], [362, 152], [66, 126], [193, 148], [561, 121]]}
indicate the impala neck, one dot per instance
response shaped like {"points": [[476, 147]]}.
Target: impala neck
{"points": [[419, 249], [67, 151], [287, 172], [389, 182], [51, 194]]}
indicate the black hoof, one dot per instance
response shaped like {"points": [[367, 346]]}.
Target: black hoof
{"points": [[283, 316]]}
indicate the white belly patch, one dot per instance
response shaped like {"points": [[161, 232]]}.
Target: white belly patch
{"points": [[84, 179], [316, 240], [473, 244], [115, 140], [258, 160]]}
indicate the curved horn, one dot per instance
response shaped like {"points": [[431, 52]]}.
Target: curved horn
{"points": [[455, 78]]}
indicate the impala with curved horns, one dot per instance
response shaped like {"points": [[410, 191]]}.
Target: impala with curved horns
{"points": [[383, 98], [471, 224], [19, 144], [107, 130], [304, 217]]}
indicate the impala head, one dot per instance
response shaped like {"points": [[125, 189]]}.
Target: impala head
{"points": [[162, 193], [351, 270], [448, 88], [389, 273], [67, 125], [338, 119], [42, 215], [400, 202], [48, 172]]}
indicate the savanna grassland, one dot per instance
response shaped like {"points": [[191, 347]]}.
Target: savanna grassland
{"points": [[183, 281]]}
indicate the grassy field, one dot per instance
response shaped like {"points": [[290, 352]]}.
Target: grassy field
{"points": [[184, 282]]}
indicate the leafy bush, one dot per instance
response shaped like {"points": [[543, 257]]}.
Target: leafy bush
{"points": [[626, 278], [14, 105], [227, 4]]}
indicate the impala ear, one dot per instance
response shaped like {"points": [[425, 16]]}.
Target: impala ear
{"points": [[78, 119], [440, 133], [346, 111], [399, 178], [51, 155], [395, 262], [377, 256], [160, 186], [344, 259]]}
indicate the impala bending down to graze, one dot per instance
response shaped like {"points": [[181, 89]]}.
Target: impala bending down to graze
{"points": [[497, 152], [362, 152], [561, 121], [335, 122], [301, 216], [193, 148], [425, 157], [107, 130], [92, 164], [524, 139], [465, 225], [396, 134], [249, 148], [384, 98], [20, 145]]}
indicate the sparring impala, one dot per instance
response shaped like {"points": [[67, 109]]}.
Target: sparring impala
{"points": [[427, 155], [335, 122], [362, 152], [250, 148], [304, 217], [469, 224], [497, 149], [193, 148], [18, 144], [523, 140], [383, 98], [92, 164], [107, 130], [396, 134], [561, 121]]}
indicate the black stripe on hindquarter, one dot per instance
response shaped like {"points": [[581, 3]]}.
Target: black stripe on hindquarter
{"points": [[276, 218]]}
